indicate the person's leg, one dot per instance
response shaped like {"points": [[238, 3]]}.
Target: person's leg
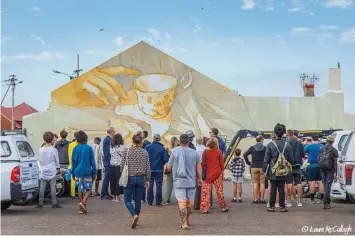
{"points": [[273, 192], [128, 194], [240, 190], [150, 189], [328, 181], [53, 183], [205, 196], [262, 185], [190, 193], [42, 190], [105, 182], [169, 187], [181, 196], [159, 188], [138, 192], [218, 184], [255, 180], [119, 188], [281, 187], [235, 190], [72, 188], [113, 182]]}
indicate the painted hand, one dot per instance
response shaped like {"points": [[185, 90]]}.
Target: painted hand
{"points": [[96, 88]]}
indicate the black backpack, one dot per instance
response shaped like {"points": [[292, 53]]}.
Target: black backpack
{"points": [[325, 160]]}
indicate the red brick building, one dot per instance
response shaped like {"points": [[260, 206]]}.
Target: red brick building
{"points": [[19, 111]]}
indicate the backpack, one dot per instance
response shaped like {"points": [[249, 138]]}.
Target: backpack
{"points": [[325, 160], [281, 167]]}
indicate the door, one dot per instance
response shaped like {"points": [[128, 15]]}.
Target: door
{"points": [[7, 165], [28, 164], [346, 160]]}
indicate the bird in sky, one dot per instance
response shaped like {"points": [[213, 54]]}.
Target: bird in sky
{"points": [[101, 30]]}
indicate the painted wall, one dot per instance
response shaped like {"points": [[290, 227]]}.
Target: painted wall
{"points": [[143, 88]]}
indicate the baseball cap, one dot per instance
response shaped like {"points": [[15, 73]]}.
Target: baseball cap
{"points": [[190, 134], [156, 137]]}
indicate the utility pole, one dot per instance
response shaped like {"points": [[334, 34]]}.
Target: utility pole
{"points": [[12, 82], [77, 71]]}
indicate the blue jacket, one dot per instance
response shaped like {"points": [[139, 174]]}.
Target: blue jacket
{"points": [[158, 156], [83, 162], [222, 145], [106, 150]]}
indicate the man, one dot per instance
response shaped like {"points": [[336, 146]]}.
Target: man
{"points": [[62, 147], [329, 173], [185, 164], [106, 161], [221, 144], [313, 171], [71, 147], [273, 151], [191, 136], [98, 153], [145, 141], [295, 176], [158, 157], [257, 153]]}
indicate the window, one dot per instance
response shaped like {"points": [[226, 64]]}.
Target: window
{"points": [[347, 144], [342, 142], [5, 149], [25, 149]]}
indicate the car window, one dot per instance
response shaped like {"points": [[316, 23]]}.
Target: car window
{"points": [[25, 149], [347, 144], [5, 149], [342, 142]]}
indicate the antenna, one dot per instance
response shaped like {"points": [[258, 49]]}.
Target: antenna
{"points": [[307, 83]]}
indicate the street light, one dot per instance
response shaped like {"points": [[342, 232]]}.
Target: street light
{"points": [[58, 72], [77, 71]]}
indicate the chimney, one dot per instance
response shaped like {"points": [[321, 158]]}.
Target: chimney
{"points": [[334, 79]]}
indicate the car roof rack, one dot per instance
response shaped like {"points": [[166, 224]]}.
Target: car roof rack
{"points": [[7, 132]]}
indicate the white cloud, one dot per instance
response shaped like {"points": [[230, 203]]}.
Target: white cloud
{"points": [[43, 56], [320, 38], [248, 4], [118, 42], [154, 32], [338, 3], [269, 8], [36, 9], [6, 39], [197, 29], [301, 30], [167, 35], [279, 36], [328, 27], [39, 39], [347, 36], [294, 9]]}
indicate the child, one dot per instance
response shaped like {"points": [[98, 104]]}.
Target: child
{"points": [[97, 149], [83, 169], [237, 168]]}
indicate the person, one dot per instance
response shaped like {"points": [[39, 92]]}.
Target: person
{"points": [[191, 136], [145, 141], [174, 142], [117, 150], [205, 140], [71, 147], [158, 157], [55, 139], [62, 147], [137, 161], [97, 149], [313, 172], [257, 153], [273, 150], [106, 162], [212, 159], [295, 176], [221, 144], [49, 164], [329, 173], [200, 148], [84, 170], [237, 168], [185, 165]]}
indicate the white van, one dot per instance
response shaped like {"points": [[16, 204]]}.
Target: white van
{"points": [[19, 170], [347, 165]]}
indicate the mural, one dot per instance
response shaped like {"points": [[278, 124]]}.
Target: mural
{"points": [[143, 88]]}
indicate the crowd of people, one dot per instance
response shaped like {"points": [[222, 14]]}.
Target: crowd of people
{"points": [[190, 170]]}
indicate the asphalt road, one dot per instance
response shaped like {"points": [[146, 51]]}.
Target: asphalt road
{"points": [[105, 217]]}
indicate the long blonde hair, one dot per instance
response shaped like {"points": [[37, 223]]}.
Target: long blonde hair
{"points": [[174, 142]]}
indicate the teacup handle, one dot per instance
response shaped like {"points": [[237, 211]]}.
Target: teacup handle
{"points": [[189, 75]]}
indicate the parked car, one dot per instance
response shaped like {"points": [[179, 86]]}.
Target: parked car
{"points": [[19, 170], [346, 166]]}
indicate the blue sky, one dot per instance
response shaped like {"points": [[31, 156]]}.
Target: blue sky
{"points": [[258, 47]]}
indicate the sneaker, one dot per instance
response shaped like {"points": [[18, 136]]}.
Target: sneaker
{"points": [[240, 200], [312, 202], [262, 202], [326, 206], [114, 199], [255, 202], [225, 209], [39, 206], [234, 200], [268, 205], [73, 198], [299, 204], [56, 206], [283, 209], [270, 209], [277, 205], [80, 212], [288, 204]]}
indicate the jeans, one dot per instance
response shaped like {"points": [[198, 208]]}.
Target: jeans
{"points": [[135, 186], [156, 177], [280, 185], [169, 187], [105, 182], [115, 175], [328, 178], [42, 190]]}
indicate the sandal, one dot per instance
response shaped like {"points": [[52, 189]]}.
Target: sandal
{"points": [[135, 221]]}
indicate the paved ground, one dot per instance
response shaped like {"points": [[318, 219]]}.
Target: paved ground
{"points": [[105, 217]]}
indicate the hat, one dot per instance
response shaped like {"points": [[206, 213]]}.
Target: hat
{"points": [[156, 137], [330, 138], [190, 134]]}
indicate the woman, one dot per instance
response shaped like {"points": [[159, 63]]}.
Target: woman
{"points": [[174, 142], [137, 161], [117, 153], [200, 147], [212, 159]]}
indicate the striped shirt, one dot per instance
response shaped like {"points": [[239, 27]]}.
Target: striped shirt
{"points": [[138, 162]]}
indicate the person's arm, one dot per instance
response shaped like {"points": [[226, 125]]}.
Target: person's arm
{"points": [[147, 170], [169, 166], [306, 149], [267, 159], [289, 153], [106, 149], [224, 149], [92, 162], [74, 162], [246, 154], [336, 156], [198, 171], [166, 156], [221, 161], [56, 159]]}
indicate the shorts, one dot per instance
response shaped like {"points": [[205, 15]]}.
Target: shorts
{"points": [[314, 173], [185, 194], [237, 179], [83, 184], [257, 175], [98, 175], [293, 178]]}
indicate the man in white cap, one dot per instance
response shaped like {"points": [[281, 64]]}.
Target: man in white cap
{"points": [[158, 157]]}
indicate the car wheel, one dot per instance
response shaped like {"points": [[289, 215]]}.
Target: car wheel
{"points": [[350, 198], [5, 205]]}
